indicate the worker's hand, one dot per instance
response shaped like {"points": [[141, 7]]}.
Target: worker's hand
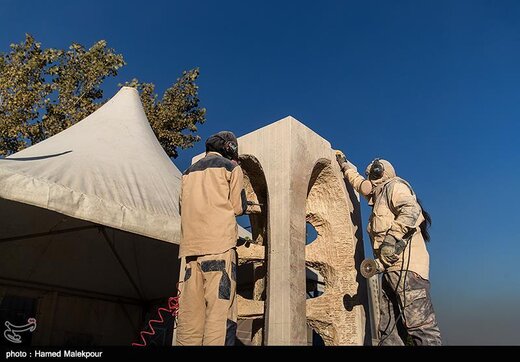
{"points": [[253, 208], [342, 160], [387, 251], [400, 246], [246, 241]]}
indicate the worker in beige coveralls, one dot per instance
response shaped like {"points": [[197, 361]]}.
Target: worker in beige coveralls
{"points": [[212, 196], [397, 228]]}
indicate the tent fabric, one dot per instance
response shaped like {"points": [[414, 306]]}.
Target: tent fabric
{"points": [[109, 169], [83, 210], [55, 251]]}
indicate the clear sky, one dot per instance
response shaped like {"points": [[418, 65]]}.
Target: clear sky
{"points": [[432, 86]]}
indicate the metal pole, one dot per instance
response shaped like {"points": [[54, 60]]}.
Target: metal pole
{"points": [[120, 261], [47, 233]]}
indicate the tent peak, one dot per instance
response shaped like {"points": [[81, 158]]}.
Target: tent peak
{"points": [[99, 170], [126, 88]]}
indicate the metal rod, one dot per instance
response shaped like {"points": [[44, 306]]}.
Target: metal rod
{"points": [[69, 291], [129, 276], [47, 233]]}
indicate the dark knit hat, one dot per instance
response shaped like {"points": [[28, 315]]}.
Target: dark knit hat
{"points": [[223, 142]]}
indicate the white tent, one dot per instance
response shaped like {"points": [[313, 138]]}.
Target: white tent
{"points": [[109, 169], [81, 216]]}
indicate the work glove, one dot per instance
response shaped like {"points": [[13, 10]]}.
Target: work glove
{"points": [[342, 160], [388, 250], [253, 208]]}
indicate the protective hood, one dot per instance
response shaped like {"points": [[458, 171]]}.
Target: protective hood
{"points": [[388, 174]]}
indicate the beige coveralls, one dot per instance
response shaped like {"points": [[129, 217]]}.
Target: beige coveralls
{"points": [[212, 196], [405, 305]]}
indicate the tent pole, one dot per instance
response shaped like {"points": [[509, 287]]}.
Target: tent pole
{"points": [[129, 276], [54, 232], [82, 293]]}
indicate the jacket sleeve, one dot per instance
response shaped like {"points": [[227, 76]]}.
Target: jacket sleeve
{"points": [[237, 194], [355, 179], [407, 211]]}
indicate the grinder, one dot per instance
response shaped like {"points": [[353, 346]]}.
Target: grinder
{"points": [[371, 267]]}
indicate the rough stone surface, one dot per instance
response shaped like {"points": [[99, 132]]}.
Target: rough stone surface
{"points": [[338, 314], [292, 172]]}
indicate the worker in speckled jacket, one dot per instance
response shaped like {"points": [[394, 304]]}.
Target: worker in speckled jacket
{"points": [[398, 230]]}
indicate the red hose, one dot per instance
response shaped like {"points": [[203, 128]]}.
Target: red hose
{"points": [[173, 309]]}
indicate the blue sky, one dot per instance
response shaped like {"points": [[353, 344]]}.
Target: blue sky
{"points": [[432, 86]]}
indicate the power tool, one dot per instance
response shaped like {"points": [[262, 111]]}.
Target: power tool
{"points": [[371, 267]]}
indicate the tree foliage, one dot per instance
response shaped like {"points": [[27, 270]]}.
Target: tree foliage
{"points": [[177, 112], [44, 91]]}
